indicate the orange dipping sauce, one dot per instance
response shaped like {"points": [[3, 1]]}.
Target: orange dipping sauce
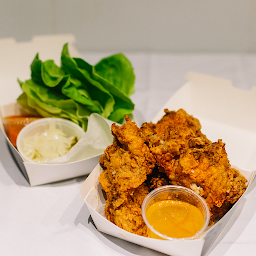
{"points": [[14, 124], [174, 219]]}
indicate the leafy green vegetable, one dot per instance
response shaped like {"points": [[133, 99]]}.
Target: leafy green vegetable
{"points": [[118, 71], [76, 89]]}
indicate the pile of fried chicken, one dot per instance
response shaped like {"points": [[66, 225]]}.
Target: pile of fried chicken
{"points": [[171, 151]]}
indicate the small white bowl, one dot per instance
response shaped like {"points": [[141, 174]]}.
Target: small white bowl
{"points": [[69, 128]]}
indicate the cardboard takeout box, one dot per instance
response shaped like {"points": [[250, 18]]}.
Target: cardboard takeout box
{"points": [[225, 113], [16, 58]]}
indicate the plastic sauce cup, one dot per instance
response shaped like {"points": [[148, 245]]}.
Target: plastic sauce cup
{"points": [[175, 212]]}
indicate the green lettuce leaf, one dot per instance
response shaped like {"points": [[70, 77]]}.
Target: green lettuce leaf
{"points": [[76, 89], [118, 70]]}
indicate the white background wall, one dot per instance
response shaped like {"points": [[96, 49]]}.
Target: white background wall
{"points": [[137, 25]]}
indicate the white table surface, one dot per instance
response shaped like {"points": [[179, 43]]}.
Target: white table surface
{"points": [[53, 220]]}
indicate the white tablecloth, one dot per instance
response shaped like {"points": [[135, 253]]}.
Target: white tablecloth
{"points": [[53, 220]]}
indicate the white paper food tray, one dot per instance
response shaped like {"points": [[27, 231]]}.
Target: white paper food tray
{"points": [[16, 58], [221, 110]]}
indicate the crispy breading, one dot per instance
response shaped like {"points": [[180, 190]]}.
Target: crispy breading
{"points": [[171, 151], [128, 215], [191, 160], [126, 164]]}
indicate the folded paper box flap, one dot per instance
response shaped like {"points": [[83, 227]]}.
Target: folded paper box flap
{"points": [[216, 99]]}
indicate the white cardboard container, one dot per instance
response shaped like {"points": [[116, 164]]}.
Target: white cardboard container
{"points": [[225, 113], [16, 58]]}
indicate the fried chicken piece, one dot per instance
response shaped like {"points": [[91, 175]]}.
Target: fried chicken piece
{"points": [[128, 215], [172, 151], [191, 160], [126, 164]]}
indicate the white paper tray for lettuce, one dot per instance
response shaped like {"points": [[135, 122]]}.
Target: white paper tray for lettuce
{"points": [[225, 113], [16, 58]]}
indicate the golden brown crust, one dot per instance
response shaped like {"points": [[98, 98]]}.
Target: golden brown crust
{"points": [[126, 164], [191, 160], [172, 151]]}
